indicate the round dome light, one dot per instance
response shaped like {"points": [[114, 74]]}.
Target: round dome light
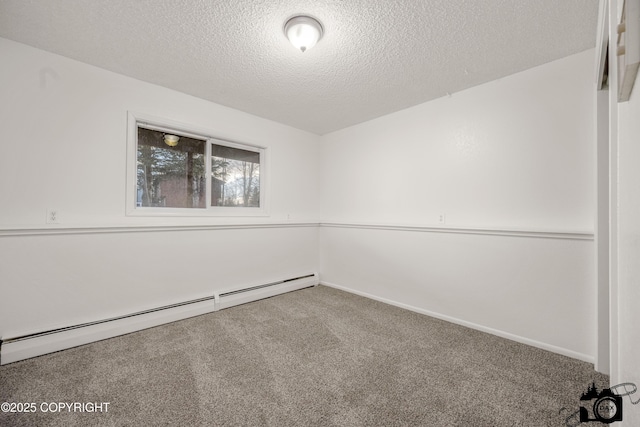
{"points": [[171, 140], [303, 32]]}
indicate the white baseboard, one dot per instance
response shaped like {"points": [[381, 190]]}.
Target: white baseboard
{"points": [[502, 334]]}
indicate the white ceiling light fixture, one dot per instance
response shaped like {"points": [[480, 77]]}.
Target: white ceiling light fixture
{"points": [[171, 140], [303, 31]]}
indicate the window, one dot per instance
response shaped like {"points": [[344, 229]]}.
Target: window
{"points": [[170, 176], [235, 177], [182, 172]]}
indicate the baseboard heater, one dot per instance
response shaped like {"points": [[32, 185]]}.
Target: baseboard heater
{"points": [[35, 344], [232, 297]]}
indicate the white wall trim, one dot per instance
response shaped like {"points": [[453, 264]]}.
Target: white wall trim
{"points": [[614, 224], [555, 349], [8, 232], [544, 234], [57, 230]]}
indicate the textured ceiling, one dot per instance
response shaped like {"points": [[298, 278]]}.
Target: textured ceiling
{"points": [[376, 57]]}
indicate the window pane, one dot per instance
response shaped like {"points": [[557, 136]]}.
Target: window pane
{"points": [[235, 177], [172, 177]]}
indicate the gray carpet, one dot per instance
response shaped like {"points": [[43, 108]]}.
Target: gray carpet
{"points": [[318, 356]]}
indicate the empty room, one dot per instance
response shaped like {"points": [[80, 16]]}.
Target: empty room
{"points": [[330, 213]]}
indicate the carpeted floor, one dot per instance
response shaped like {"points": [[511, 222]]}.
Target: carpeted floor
{"points": [[318, 356]]}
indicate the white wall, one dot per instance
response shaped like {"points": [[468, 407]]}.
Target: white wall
{"points": [[52, 281], [629, 248], [64, 143], [514, 158], [64, 147], [516, 152], [625, 304]]}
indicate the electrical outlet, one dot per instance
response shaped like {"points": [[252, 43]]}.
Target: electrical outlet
{"points": [[442, 218], [53, 216]]}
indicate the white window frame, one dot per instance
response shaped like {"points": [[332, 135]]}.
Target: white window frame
{"points": [[136, 120]]}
